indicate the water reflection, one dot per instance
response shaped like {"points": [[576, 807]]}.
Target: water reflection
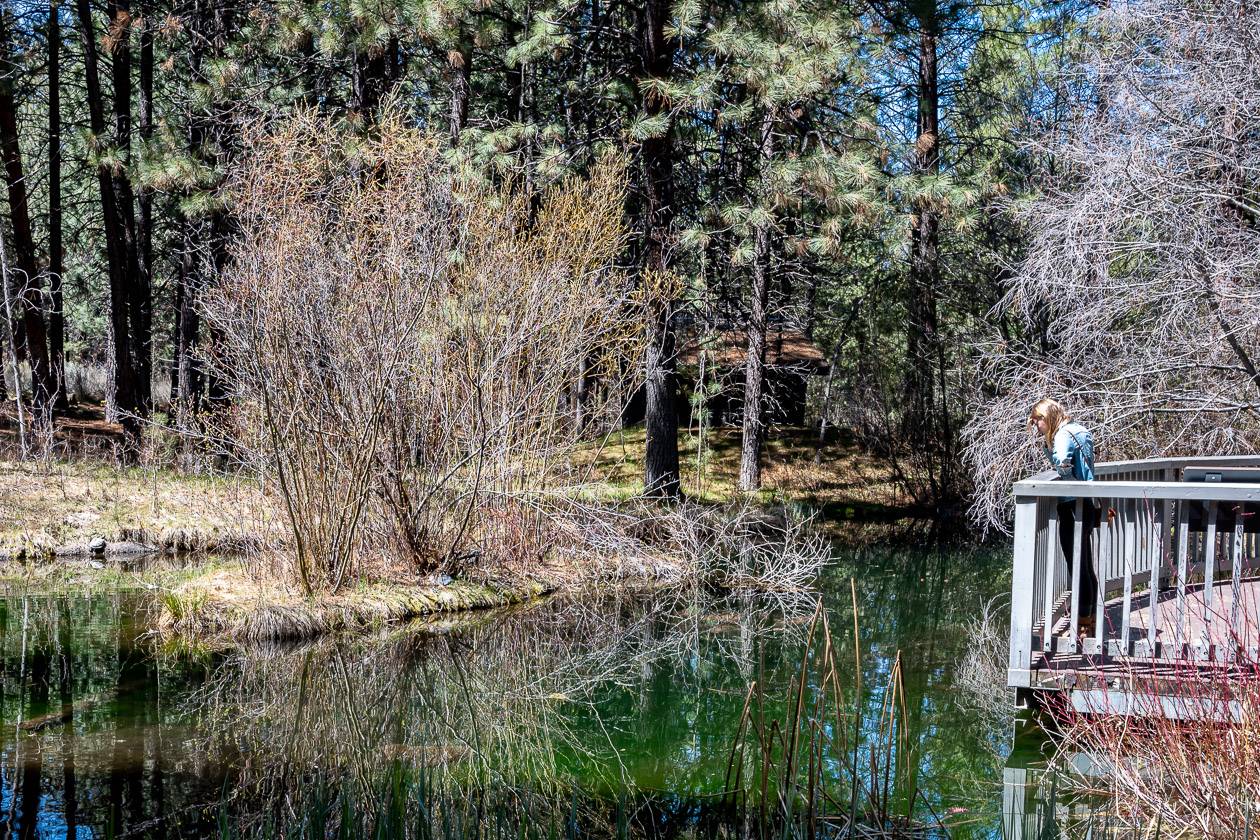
{"points": [[597, 699], [94, 738]]}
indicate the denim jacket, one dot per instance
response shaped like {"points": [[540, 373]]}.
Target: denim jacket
{"points": [[1073, 452]]}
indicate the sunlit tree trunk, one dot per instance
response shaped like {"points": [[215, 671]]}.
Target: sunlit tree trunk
{"points": [[755, 365], [657, 56]]}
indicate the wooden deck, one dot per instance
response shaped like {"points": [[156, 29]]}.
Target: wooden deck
{"points": [[1181, 653]]}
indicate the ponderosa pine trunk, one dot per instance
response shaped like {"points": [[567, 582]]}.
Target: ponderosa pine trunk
{"points": [[206, 236], [200, 244], [919, 425], [141, 303], [137, 290], [26, 288], [755, 363], [661, 473], [459, 60], [56, 255], [926, 425], [376, 68], [122, 399]]}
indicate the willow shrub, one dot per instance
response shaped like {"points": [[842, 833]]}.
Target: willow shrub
{"points": [[400, 344]]}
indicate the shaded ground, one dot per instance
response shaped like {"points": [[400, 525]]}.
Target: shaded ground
{"points": [[839, 479]]}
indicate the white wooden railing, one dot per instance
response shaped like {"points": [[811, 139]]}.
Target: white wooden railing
{"points": [[1150, 520]]}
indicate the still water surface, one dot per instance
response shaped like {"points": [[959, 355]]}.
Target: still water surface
{"points": [[106, 733]]}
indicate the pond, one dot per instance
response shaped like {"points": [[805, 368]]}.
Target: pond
{"points": [[630, 714]]}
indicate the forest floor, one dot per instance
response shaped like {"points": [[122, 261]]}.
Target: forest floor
{"points": [[56, 508], [50, 504], [838, 479], [51, 507]]}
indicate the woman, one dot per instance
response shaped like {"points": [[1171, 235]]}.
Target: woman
{"points": [[1070, 448]]}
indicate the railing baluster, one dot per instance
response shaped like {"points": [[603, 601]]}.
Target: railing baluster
{"points": [[1209, 580], [1102, 555], [1052, 546], [1128, 549], [1154, 550], [1236, 583], [1183, 539], [1074, 601]]}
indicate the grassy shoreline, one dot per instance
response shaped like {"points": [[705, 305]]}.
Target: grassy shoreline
{"points": [[226, 606], [52, 512], [50, 509]]}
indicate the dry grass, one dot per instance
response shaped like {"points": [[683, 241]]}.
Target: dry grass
{"points": [[637, 546], [230, 606], [844, 480], [75, 576], [44, 506]]}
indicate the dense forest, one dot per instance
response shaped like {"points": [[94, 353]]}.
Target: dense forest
{"points": [[841, 170]]}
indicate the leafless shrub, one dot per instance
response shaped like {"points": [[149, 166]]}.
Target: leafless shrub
{"points": [[1138, 296], [1197, 778], [742, 547], [399, 343], [737, 547], [980, 679]]}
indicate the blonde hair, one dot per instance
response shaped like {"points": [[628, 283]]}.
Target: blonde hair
{"points": [[1054, 415]]}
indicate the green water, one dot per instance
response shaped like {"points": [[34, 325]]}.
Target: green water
{"points": [[104, 733]]}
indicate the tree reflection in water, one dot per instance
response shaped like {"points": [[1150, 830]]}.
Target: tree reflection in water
{"points": [[593, 701]]}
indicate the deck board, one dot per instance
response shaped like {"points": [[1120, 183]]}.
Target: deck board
{"points": [[1186, 676], [1203, 623]]}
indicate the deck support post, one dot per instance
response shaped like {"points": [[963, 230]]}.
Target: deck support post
{"points": [[1022, 585]]}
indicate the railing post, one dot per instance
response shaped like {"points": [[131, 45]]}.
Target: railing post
{"points": [[1183, 572], [1022, 584], [1102, 555], [1074, 605], [1209, 581]]}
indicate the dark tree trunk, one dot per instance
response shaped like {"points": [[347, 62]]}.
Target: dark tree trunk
{"points": [[142, 292], [375, 71], [661, 474], [137, 291], [460, 61], [205, 238], [25, 279], [187, 379], [56, 256], [755, 366], [123, 399], [920, 424]]}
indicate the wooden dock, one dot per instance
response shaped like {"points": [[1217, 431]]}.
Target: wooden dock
{"points": [[1179, 588]]}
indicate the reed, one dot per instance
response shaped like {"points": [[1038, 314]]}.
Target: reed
{"points": [[1196, 777], [821, 769]]}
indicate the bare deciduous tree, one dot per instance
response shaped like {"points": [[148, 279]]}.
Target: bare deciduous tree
{"points": [[1138, 299], [400, 343]]}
